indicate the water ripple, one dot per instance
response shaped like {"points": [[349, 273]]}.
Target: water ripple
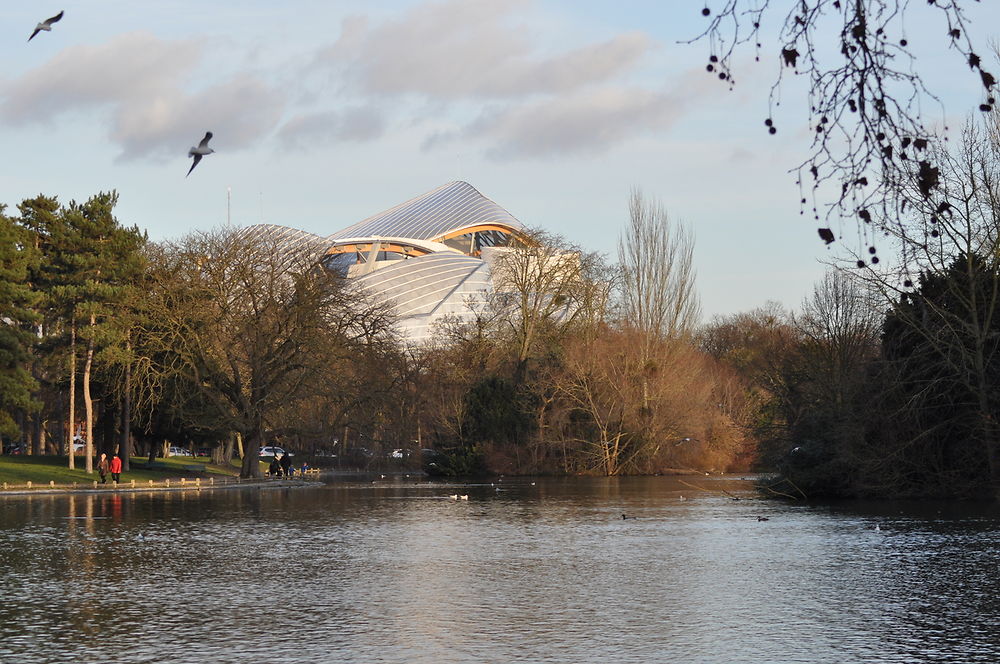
{"points": [[543, 572]]}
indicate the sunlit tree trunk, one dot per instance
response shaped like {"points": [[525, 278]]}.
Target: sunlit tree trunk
{"points": [[88, 402], [125, 446], [72, 395]]}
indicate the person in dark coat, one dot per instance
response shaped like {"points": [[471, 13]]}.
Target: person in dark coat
{"points": [[286, 464], [102, 468], [274, 470]]}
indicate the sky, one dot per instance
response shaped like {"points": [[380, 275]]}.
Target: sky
{"points": [[327, 112]]}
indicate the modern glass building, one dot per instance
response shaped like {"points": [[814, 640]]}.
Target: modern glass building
{"points": [[429, 257]]}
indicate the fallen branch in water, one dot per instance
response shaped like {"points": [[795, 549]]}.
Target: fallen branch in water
{"points": [[785, 480], [701, 488]]}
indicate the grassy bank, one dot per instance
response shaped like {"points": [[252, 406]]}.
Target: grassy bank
{"points": [[45, 469]]}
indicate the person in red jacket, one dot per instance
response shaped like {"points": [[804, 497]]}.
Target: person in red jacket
{"points": [[116, 469]]}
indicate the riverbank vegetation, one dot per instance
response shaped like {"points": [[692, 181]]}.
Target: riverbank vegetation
{"points": [[884, 382]]}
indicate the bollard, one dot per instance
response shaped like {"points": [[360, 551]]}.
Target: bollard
{"points": [[211, 480], [29, 485], [4, 486], [52, 484], [150, 483], [166, 482], [183, 480], [95, 484], [197, 482], [133, 484]]}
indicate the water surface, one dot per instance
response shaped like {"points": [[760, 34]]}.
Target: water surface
{"points": [[526, 571]]}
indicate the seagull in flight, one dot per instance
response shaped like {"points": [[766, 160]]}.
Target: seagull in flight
{"points": [[200, 151], [45, 25]]}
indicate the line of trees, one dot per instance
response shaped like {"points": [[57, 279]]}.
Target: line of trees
{"points": [[888, 381], [229, 341]]}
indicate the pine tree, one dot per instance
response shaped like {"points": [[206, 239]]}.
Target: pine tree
{"points": [[17, 255]]}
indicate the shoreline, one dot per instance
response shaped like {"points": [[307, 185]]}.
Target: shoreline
{"points": [[187, 486]]}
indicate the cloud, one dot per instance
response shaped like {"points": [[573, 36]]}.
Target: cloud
{"points": [[361, 123], [460, 49], [589, 122], [141, 81]]}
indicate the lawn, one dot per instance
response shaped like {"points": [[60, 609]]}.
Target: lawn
{"points": [[43, 469]]}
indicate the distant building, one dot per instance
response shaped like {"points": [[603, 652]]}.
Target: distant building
{"points": [[430, 256]]}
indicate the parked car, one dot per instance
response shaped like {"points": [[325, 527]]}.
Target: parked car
{"points": [[178, 451], [271, 450], [400, 453]]}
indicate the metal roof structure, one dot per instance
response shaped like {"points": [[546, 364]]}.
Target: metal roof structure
{"points": [[444, 212], [287, 240], [401, 256]]}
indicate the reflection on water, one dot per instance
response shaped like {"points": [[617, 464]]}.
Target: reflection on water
{"points": [[543, 572]]}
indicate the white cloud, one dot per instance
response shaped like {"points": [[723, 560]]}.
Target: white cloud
{"points": [[585, 123], [140, 81], [460, 49], [327, 127]]}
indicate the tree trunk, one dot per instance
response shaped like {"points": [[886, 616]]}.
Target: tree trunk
{"points": [[36, 433], [72, 396], [58, 436], [125, 446], [251, 460], [88, 402]]}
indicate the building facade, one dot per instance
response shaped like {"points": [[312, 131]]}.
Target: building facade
{"points": [[428, 257]]}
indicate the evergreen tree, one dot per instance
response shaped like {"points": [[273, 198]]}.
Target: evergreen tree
{"points": [[17, 256]]}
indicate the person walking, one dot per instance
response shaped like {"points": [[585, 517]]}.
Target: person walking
{"points": [[102, 468], [116, 469]]}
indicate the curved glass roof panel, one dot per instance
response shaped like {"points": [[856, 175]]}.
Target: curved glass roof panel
{"points": [[425, 289], [285, 239], [445, 210]]}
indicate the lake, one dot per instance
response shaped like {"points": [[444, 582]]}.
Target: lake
{"points": [[529, 570]]}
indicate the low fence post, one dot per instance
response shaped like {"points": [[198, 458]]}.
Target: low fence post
{"points": [[133, 484]]}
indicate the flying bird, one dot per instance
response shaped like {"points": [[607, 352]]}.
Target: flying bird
{"points": [[200, 151], [45, 25]]}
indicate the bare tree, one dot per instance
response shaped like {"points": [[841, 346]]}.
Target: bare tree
{"points": [[656, 256], [545, 285], [840, 326], [250, 326], [953, 313], [867, 100]]}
